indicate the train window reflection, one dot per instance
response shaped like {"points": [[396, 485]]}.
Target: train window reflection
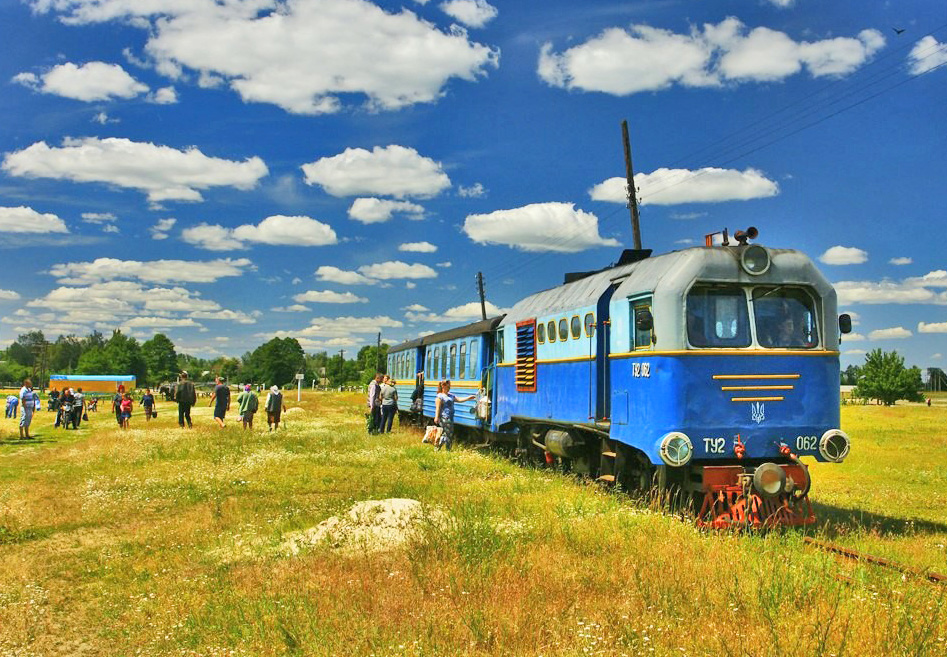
{"points": [[576, 327], [717, 317], [785, 318], [462, 373], [563, 329], [551, 330], [474, 373], [540, 333], [589, 325]]}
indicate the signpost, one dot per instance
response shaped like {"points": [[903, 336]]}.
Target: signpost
{"points": [[299, 386]]}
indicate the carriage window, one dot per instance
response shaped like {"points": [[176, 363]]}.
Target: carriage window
{"points": [[444, 362], [717, 317], [540, 333], [453, 361], [785, 318], [500, 347], [474, 373], [563, 329], [427, 370], [576, 327], [463, 360], [551, 330], [589, 325]]}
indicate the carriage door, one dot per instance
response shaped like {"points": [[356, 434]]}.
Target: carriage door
{"points": [[602, 371]]}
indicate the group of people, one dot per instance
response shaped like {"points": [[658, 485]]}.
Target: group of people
{"points": [[247, 403], [382, 403], [69, 406], [383, 406]]}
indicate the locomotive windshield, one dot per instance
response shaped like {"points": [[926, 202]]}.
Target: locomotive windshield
{"points": [[717, 317], [783, 317]]}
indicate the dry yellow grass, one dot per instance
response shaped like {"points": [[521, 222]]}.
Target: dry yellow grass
{"points": [[159, 541]]}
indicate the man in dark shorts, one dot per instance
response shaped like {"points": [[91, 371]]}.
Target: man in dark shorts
{"points": [[221, 396], [148, 403], [186, 396]]}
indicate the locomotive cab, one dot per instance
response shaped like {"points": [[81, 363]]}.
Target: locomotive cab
{"points": [[738, 370]]}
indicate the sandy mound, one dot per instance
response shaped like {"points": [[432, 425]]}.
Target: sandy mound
{"points": [[370, 526]]}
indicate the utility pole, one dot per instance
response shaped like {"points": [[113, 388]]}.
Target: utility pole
{"points": [[378, 353], [483, 299], [341, 367], [632, 195]]}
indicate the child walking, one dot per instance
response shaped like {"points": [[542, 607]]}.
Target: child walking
{"points": [[126, 407]]}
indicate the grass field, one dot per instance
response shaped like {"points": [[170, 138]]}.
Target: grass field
{"points": [[160, 541]]}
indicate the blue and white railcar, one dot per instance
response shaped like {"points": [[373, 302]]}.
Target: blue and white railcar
{"points": [[405, 362]]}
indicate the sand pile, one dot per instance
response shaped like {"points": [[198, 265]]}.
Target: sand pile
{"points": [[369, 526]]}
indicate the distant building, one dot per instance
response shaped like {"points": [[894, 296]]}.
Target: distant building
{"points": [[93, 383]]}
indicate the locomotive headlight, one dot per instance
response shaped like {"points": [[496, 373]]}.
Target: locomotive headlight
{"points": [[755, 260], [769, 479], [676, 449], [834, 445]]}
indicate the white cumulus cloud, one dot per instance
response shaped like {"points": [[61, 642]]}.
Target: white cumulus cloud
{"points": [[468, 312], [901, 261], [9, 295], [164, 173], [926, 55], [844, 255], [645, 58], [22, 219], [397, 269], [306, 56], [417, 247], [327, 296], [89, 82], [161, 228], [376, 210], [935, 327], [538, 227], [154, 271], [277, 230], [473, 13], [386, 171], [332, 274], [676, 186], [894, 333]]}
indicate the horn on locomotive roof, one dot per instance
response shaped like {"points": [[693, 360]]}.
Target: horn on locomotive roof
{"points": [[741, 236]]}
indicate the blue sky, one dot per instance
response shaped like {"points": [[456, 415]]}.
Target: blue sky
{"points": [[226, 172]]}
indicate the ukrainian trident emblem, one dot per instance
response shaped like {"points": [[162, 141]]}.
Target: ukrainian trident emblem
{"points": [[757, 412]]}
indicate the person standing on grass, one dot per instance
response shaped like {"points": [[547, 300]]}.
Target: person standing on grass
{"points": [[444, 412], [117, 404], [148, 403], [78, 408], [374, 402], [126, 406], [27, 407], [389, 403], [221, 396], [186, 396], [274, 407], [247, 405]]}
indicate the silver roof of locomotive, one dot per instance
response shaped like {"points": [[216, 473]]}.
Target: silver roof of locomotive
{"points": [[672, 274]]}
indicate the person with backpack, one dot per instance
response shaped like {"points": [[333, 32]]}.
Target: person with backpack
{"points": [[247, 405], [186, 396], [274, 407]]}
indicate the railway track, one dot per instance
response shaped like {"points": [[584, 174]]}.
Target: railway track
{"points": [[854, 555]]}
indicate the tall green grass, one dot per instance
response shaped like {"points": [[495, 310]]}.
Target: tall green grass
{"points": [[159, 541]]}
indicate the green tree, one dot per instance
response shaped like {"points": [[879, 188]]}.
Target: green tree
{"points": [[95, 361], [64, 354], [850, 375], [22, 351], [372, 359], [885, 378], [160, 359], [275, 362]]}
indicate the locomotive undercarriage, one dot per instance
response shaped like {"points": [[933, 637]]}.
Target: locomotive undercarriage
{"points": [[737, 494]]}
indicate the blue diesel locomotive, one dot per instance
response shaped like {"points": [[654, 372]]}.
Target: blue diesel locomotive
{"points": [[709, 370]]}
